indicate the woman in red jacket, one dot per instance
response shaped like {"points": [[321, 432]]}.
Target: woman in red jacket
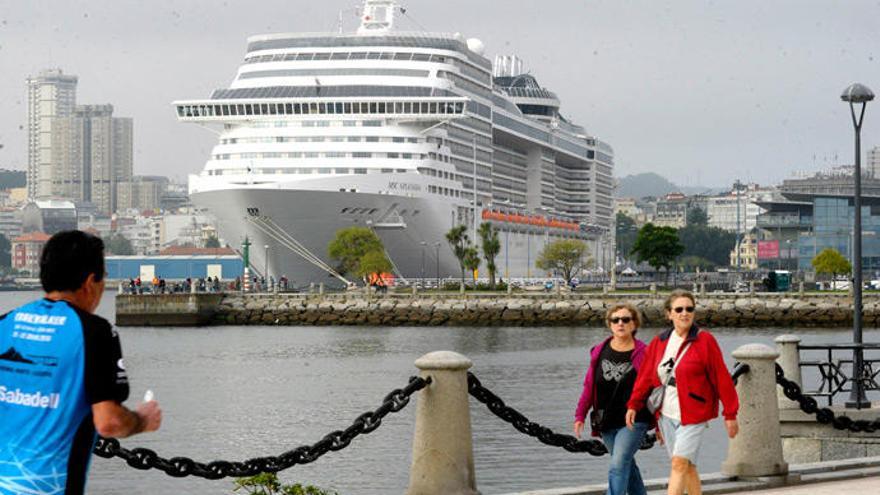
{"points": [[688, 359]]}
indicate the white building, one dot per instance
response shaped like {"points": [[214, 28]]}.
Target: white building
{"points": [[722, 210], [872, 167], [51, 95]]}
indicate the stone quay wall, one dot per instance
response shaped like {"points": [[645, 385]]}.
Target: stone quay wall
{"points": [[713, 310]]}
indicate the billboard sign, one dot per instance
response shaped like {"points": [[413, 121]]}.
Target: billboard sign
{"points": [[768, 250]]}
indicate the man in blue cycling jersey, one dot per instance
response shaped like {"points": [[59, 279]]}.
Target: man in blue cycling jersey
{"points": [[62, 379]]}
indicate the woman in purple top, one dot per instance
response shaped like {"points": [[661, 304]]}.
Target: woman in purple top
{"points": [[611, 375]]}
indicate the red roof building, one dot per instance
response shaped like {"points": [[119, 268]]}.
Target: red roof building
{"points": [[26, 251]]}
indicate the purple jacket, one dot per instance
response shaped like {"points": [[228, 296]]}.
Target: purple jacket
{"points": [[588, 396]]}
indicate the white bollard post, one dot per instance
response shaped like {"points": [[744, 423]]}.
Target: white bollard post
{"points": [[757, 449], [790, 361], [443, 456]]}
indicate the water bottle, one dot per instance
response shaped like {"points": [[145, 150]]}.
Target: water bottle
{"points": [[149, 396]]}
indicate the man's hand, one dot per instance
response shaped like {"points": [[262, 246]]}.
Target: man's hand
{"points": [[150, 414], [659, 434], [630, 418], [112, 419], [732, 427], [578, 428]]}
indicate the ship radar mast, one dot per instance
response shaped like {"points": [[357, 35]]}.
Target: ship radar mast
{"points": [[377, 17]]}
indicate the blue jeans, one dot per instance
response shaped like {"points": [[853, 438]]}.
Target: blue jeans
{"points": [[624, 477]]}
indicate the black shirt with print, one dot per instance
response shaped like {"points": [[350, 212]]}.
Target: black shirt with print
{"points": [[616, 367]]}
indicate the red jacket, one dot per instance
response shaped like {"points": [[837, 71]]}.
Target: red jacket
{"points": [[701, 377]]}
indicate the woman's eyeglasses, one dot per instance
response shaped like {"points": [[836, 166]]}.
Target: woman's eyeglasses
{"points": [[618, 319], [689, 309]]}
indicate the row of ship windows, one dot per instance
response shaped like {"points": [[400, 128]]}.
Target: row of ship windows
{"points": [[327, 108], [315, 154], [445, 191], [318, 139], [307, 171], [468, 69], [286, 57], [310, 123]]}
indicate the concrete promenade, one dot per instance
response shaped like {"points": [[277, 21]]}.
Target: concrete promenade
{"points": [[850, 476]]}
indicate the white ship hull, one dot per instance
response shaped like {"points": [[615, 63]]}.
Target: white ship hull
{"points": [[413, 233]]}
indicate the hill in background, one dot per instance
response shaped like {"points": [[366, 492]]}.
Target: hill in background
{"points": [[651, 184]]}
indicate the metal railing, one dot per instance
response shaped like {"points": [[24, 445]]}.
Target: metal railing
{"points": [[834, 368]]}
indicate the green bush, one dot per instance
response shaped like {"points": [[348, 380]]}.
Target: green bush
{"points": [[269, 484], [502, 286]]}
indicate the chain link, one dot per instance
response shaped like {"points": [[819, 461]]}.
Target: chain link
{"points": [[823, 415], [542, 433], [179, 467]]}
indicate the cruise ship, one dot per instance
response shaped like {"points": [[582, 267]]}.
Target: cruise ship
{"points": [[406, 133]]}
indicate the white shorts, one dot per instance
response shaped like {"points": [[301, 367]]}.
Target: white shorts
{"points": [[682, 440]]}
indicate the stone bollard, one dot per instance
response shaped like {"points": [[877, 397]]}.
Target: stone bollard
{"points": [[311, 287], [703, 289], [443, 455], [801, 288], [415, 290], [193, 287], [757, 449], [752, 287], [509, 288], [790, 361], [321, 289], [605, 289], [461, 288], [653, 289], [120, 288], [695, 290]]}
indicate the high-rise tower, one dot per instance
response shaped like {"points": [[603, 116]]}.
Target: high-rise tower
{"points": [[51, 95]]}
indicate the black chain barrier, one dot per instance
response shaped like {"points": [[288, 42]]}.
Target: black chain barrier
{"points": [[823, 415], [179, 467], [542, 433]]}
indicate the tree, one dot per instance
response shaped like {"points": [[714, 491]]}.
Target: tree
{"points": [[212, 242], [697, 216], [491, 248], [565, 257], [472, 261], [5, 252], [658, 246], [710, 243], [458, 239], [626, 230], [691, 263], [831, 261], [350, 245], [373, 263], [119, 245]]}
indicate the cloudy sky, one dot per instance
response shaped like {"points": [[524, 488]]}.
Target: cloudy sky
{"points": [[701, 92]]}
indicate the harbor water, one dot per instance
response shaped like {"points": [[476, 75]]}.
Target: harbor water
{"points": [[233, 393]]}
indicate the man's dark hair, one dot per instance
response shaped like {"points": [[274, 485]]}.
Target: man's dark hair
{"points": [[68, 258]]}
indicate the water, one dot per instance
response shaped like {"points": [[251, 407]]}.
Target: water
{"points": [[238, 392]]}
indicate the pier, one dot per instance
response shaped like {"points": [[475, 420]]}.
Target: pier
{"points": [[480, 309]]}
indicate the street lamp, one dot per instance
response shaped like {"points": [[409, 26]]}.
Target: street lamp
{"points": [[854, 94], [437, 253], [423, 244], [266, 265]]}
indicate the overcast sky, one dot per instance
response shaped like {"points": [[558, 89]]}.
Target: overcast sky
{"points": [[701, 92]]}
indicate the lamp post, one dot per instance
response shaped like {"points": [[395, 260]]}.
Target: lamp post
{"points": [[266, 265], [423, 244], [437, 253], [855, 94]]}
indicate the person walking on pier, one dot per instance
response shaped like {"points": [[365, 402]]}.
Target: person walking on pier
{"points": [[62, 378], [684, 377], [614, 365]]}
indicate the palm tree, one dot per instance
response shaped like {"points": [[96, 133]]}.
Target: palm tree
{"points": [[491, 248], [458, 239]]}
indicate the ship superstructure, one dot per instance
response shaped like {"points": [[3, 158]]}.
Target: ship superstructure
{"points": [[399, 132]]}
